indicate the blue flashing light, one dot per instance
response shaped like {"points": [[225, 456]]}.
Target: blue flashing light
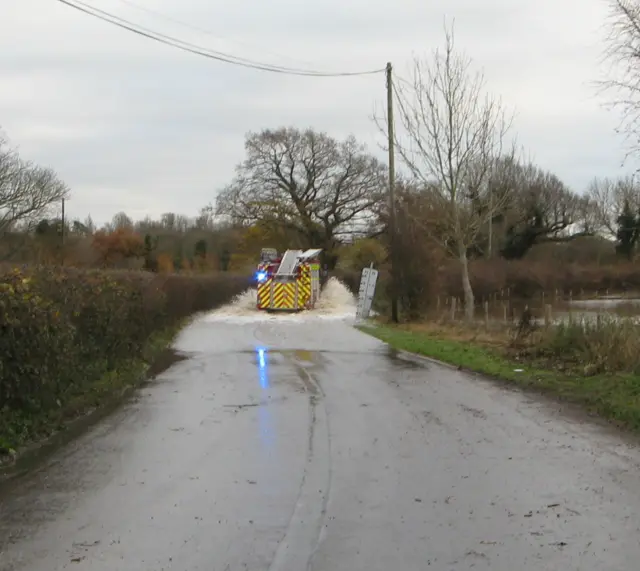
{"points": [[261, 276], [262, 358]]}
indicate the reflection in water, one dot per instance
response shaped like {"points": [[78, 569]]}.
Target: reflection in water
{"points": [[262, 368], [265, 417]]}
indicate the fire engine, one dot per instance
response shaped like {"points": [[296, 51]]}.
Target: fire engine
{"points": [[290, 282]]}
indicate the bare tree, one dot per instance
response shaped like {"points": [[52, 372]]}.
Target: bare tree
{"points": [[622, 60], [609, 197], [538, 207], [89, 224], [206, 218], [168, 220], [27, 192], [451, 135], [306, 182], [122, 221]]}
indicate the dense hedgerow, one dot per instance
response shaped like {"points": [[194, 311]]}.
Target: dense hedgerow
{"points": [[61, 329]]}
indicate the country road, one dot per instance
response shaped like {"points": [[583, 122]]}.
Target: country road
{"points": [[298, 443]]}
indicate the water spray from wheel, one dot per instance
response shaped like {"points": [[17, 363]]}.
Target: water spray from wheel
{"points": [[289, 288]]}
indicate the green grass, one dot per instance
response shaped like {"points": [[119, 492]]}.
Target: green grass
{"points": [[615, 397], [19, 430]]}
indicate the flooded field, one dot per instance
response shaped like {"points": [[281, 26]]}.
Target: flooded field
{"points": [[550, 309]]}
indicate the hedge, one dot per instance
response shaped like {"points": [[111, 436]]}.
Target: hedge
{"points": [[63, 329]]}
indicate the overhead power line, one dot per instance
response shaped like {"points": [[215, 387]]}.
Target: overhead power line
{"points": [[204, 52], [205, 31], [107, 16]]}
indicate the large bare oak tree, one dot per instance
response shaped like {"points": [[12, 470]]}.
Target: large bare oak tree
{"points": [[306, 182]]}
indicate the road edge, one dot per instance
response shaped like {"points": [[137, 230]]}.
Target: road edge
{"points": [[561, 403], [127, 378]]}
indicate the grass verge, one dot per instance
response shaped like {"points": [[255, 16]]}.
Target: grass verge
{"points": [[613, 396], [20, 431]]}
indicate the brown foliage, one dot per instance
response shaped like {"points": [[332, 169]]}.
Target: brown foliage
{"points": [[165, 264], [114, 247], [418, 267]]}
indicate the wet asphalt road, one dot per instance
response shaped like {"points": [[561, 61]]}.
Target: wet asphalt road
{"points": [[325, 452]]}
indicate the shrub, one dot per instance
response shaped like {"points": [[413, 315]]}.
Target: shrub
{"points": [[362, 253], [603, 345], [62, 329]]}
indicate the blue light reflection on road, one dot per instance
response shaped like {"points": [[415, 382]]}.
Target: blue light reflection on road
{"points": [[263, 373], [265, 417]]}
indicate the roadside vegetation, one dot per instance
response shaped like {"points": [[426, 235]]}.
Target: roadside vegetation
{"points": [[73, 339], [502, 269], [595, 364], [491, 254]]}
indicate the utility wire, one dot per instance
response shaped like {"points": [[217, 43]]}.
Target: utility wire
{"points": [[197, 50], [204, 30], [121, 22]]}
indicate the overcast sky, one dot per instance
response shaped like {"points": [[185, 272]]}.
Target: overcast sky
{"points": [[137, 126]]}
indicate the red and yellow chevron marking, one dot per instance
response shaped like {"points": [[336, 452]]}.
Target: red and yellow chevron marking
{"points": [[284, 296], [278, 293], [290, 295], [264, 294], [304, 287]]}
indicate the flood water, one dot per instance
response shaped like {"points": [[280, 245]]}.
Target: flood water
{"points": [[555, 309]]}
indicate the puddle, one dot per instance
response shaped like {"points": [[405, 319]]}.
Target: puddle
{"points": [[404, 360], [274, 368], [309, 382], [305, 356], [165, 360]]}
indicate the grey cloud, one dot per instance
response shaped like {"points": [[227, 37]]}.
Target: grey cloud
{"points": [[133, 125]]}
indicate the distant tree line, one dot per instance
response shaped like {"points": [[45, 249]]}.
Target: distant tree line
{"points": [[463, 192]]}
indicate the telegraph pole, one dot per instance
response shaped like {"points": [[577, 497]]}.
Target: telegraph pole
{"points": [[62, 234], [392, 198], [490, 222]]}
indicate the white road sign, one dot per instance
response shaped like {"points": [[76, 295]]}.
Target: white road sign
{"points": [[367, 291]]}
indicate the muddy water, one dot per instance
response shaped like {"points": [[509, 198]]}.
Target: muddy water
{"points": [[560, 310], [335, 303]]}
